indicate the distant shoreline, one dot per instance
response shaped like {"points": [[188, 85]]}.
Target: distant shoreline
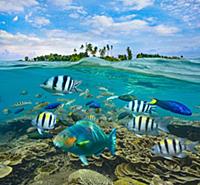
{"points": [[102, 53]]}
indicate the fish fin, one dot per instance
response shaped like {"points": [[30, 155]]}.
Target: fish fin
{"points": [[83, 159], [82, 143], [163, 124], [153, 101], [168, 157], [112, 98], [112, 141], [123, 115], [40, 131], [191, 147], [181, 155], [76, 84]]}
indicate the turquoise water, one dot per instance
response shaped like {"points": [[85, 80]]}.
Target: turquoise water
{"points": [[35, 160], [163, 79]]}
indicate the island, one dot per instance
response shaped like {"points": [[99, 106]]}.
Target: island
{"points": [[105, 53], [142, 55], [86, 50]]}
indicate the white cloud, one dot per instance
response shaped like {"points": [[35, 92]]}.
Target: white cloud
{"points": [[69, 5], [54, 41], [127, 17], [166, 30], [74, 15], [126, 5], [61, 3], [137, 4], [37, 21], [16, 6], [3, 22], [186, 10], [15, 19], [106, 25]]}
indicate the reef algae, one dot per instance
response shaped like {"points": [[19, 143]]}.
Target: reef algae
{"points": [[4, 170], [88, 177]]}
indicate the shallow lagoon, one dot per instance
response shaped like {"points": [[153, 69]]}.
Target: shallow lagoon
{"points": [[24, 151]]}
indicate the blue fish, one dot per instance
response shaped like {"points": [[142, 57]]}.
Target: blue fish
{"points": [[85, 138], [93, 104], [172, 106], [52, 106], [19, 110]]}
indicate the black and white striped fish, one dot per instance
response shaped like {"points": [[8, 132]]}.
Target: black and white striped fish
{"points": [[139, 106], [61, 84], [172, 147], [44, 121], [143, 124]]}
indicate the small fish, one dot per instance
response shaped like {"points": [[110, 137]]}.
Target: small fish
{"points": [[19, 110], [6, 111], [143, 124], [44, 121], [103, 89], [61, 85], [93, 104], [24, 92], [70, 102], [38, 95], [139, 106], [85, 138], [127, 97], [40, 105], [86, 94], [106, 93], [172, 147], [172, 106], [91, 117], [22, 103], [52, 106]]}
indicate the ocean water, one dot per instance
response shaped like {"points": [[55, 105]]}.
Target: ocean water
{"points": [[177, 80], [146, 78]]}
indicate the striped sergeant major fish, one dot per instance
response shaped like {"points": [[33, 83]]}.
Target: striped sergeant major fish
{"points": [[139, 106], [61, 85], [44, 121], [143, 124], [173, 147]]}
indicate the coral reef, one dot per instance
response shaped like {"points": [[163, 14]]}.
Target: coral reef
{"points": [[28, 158], [88, 177], [5, 170]]}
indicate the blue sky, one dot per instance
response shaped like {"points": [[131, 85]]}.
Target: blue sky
{"points": [[36, 27]]}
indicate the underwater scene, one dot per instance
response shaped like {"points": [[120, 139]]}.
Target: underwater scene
{"points": [[95, 122]]}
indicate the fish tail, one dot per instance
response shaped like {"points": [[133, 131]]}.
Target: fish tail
{"points": [[163, 124], [75, 86], [112, 141], [153, 101], [191, 147]]}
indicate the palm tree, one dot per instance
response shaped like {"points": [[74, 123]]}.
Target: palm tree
{"points": [[129, 52], [94, 51], [89, 47], [82, 46], [108, 48]]}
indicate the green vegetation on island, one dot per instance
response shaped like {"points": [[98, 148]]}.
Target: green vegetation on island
{"points": [[106, 53], [86, 50], [142, 55]]}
